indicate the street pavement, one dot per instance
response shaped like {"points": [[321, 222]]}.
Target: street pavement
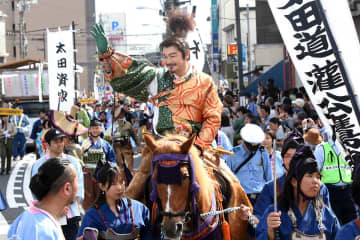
{"points": [[16, 191]]}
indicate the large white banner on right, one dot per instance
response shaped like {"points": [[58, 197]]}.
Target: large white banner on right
{"points": [[303, 31]]}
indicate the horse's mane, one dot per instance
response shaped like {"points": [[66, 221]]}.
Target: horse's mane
{"points": [[168, 145]]}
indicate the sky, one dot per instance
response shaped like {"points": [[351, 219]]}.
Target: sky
{"points": [[147, 20]]}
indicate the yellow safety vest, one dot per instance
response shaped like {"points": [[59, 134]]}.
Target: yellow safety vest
{"points": [[335, 168]]}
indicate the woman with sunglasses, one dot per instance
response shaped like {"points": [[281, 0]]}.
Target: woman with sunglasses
{"points": [[302, 213], [351, 230], [115, 216]]}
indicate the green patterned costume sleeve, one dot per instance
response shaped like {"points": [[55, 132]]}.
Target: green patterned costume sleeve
{"points": [[136, 81], [126, 75]]}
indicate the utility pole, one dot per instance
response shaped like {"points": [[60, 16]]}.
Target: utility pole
{"points": [[21, 29], [169, 6], [23, 6], [239, 45], [44, 36], [248, 43], [75, 68]]}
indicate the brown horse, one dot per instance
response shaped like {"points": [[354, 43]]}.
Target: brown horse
{"points": [[190, 190]]}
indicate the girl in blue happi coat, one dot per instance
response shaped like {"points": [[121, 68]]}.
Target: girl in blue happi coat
{"points": [[115, 216], [302, 213], [351, 230]]}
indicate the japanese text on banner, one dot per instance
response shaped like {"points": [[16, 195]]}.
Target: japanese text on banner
{"points": [[307, 41]]}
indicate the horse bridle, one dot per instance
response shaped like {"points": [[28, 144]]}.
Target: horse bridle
{"points": [[185, 214], [180, 159]]}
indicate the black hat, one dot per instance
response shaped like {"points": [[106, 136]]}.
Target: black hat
{"points": [[95, 123], [53, 134], [303, 162]]}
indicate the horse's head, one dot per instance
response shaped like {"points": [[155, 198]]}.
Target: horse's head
{"points": [[175, 185]]}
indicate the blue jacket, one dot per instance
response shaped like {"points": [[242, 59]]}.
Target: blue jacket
{"points": [[266, 197], [35, 129], [348, 231], [107, 148], [307, 224], [121, 224], [255, 173]]}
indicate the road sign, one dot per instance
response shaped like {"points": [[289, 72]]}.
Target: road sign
{"points": [[114, 25], [231, 49], [86, 101], [10, 111]]}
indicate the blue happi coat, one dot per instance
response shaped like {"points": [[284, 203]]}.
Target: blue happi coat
{"points": [[121, 224], [266, 197], [307, 223], [35, 224], [348, 232]]}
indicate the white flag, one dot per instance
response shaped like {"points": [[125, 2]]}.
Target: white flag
{"points": [[310, 47], [61, 70]]}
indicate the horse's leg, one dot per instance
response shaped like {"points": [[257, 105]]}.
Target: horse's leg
{"points": [[136, 189]]}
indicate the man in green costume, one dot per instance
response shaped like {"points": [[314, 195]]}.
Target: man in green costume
{"points": [[186, 100]]}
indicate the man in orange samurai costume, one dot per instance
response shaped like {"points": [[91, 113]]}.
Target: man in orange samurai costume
{"points": [[186, 99]]}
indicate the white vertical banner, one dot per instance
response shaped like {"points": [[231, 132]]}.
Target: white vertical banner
{"points": [[40, 81], [60, 51], [310, 47], [346, 38], [197, 53]]}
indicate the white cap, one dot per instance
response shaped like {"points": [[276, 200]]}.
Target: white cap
{"points": [[299, 102], [252, 133]]}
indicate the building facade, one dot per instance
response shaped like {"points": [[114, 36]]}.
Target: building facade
{"points": [[227, 38], [44, 14]]}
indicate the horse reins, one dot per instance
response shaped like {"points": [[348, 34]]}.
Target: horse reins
{"points": [[208, 224], [229, 210]]}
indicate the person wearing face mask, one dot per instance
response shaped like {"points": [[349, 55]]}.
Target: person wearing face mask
{"points": [[251, 163], [336, 174], [302, 213], [298, 105], [114, 216], [266, 197], [55, 186]]}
